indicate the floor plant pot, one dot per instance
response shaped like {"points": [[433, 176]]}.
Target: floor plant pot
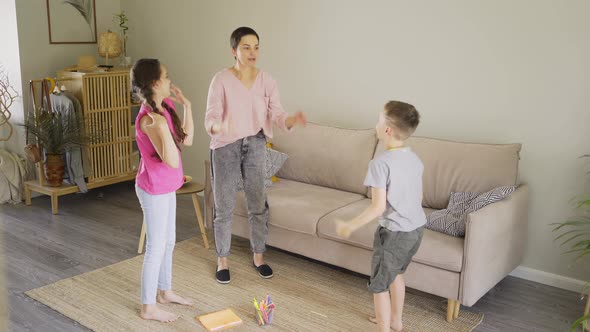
{"points": [[54, 170]]}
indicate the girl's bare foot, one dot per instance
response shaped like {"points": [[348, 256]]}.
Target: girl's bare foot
{"points": [[152, 312], [394, 326], [168, 296]]}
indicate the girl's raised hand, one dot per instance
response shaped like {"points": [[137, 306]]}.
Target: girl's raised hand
{"points": [[178, 96]]}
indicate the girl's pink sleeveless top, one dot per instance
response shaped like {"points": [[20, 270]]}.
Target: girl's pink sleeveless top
{"points": [[153, 175]]}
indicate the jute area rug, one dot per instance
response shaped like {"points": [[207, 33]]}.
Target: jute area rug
{"points": [[308, 296]]}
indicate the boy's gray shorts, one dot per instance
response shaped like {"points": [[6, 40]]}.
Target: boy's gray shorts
{"points": [[393, 252]]}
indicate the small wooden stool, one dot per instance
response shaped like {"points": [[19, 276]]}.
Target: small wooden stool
{"points": [[191, 188]]}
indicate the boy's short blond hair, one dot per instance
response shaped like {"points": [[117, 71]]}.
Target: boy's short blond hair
{"points": [[403, 117]]}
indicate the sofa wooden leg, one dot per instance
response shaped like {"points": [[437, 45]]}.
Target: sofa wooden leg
{"points": [[456, 311], [450, 310]]}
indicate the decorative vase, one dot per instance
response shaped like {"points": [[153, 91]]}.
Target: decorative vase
{"points": [[125, 61], [54, 170]]}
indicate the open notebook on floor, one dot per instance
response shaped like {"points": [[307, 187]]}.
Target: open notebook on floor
{"points": [[220, 320]]}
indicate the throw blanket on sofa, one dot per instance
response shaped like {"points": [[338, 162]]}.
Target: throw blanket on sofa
{"points": [[452, 220], [66, 104]]}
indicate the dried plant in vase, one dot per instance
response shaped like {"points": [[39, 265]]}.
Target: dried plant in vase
{"points": [[8, 96]]}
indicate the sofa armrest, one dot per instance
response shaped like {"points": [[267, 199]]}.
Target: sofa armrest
{"points": [[494, 244], [209, 203]]}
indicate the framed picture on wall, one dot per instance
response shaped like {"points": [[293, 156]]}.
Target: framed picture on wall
{"points": [[71, 21]]}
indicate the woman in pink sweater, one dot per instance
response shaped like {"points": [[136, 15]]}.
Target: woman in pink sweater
{"points": [[242, 105], [159, 134]]}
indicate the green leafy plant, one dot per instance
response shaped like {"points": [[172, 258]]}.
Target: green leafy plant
{"points": [[575, 234], [58, 132], [122, 18]]}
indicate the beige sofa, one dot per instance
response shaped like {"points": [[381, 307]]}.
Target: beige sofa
{"points": [[322, 182]]}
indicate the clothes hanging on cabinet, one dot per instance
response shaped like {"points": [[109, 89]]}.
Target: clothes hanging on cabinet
{"points": [[68, 105]]}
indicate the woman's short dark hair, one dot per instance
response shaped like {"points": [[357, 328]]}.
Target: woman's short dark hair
{"points": [[237, 35]]}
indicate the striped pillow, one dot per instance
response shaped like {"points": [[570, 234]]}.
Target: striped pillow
{"points": [[452, 220], [274, 162]]}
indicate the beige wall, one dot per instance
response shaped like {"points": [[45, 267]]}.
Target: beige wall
{"points": [[11, 64], [38, 58], [10, 60], [483, 71]]}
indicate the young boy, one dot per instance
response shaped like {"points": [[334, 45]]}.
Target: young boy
{"points": [[395, 178]]}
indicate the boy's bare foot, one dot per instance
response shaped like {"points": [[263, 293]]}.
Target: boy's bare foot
{"points": [[152, 312], [169, 296], [394, 326]]}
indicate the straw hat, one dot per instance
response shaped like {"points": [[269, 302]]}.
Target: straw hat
{"points": [[85, 62]]}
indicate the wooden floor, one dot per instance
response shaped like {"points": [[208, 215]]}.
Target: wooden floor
{"points": [[102, 227]]}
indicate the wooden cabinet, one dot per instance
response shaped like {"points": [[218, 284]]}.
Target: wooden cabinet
{"points": [[106, 103]]}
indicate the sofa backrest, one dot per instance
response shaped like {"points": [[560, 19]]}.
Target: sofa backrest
{"points": [[327, 156], [462, 167]]}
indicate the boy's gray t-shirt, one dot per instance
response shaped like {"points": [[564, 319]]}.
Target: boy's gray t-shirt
{"points": [[399, 172]]}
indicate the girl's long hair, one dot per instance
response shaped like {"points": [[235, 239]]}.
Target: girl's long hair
{"points": [[144, 74]]}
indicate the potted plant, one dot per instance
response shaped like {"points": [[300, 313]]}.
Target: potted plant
{"points": [[56, 133], [575, 234], [122, 21]]}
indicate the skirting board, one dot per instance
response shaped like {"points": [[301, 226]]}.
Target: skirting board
{"points": [[550, 279]]}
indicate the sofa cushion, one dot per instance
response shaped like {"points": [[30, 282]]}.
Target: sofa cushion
{"points": [[327, 156], [462, 167], [437, 249], [298, 206]]}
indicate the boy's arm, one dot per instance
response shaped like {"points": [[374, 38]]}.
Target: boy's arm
{"points": [[377, 207]]}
